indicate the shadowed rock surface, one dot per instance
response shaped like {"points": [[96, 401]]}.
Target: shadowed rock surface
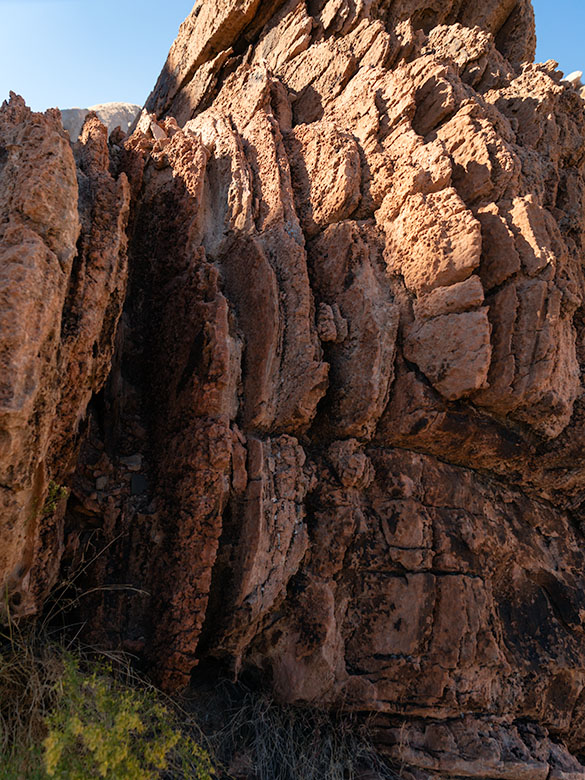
{"points": [[341, 442]]}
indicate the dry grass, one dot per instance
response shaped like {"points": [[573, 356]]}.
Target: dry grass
{"points": [[75, 715], [30, 667], [259, 739]]}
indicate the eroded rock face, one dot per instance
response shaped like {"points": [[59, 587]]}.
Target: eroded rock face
{"points": [[341, 441], [63, 277]]}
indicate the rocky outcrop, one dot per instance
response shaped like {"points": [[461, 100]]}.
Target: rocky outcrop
{"points": [[340, 446], [112, 115], [63, 278]]}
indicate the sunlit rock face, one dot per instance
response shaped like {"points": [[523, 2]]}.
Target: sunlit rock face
{"points": [[63, 278], [341, 442]]}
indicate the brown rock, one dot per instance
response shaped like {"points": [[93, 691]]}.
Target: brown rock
{"points": [[433, 242], [325, 167], [457, 298], [349, 361], [453, 351], [63, 271]]}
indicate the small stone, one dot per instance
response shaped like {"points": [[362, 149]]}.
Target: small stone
{"points": [[326, 323], [171, 127], [144, 122], [157, 131], [101, 483], [340, 324], [132, 462]]}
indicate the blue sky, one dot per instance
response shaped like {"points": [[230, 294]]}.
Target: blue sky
{"points": [[70, 53], [80, 52], [560, 33]]}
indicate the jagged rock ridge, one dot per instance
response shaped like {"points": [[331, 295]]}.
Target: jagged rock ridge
{"points": [[341, 439]]}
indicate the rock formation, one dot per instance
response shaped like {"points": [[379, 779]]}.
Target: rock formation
{"points": [[63, 277], [112, 115], [341, 442]]}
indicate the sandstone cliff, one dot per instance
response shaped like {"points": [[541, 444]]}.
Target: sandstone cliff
{"points": [[341, 440]]}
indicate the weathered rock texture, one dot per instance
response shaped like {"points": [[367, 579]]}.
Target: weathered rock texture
{"points": [[341, 443], [62, 285]]}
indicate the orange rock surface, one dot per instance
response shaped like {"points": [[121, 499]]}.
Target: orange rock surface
{"points": [[340, 445]]}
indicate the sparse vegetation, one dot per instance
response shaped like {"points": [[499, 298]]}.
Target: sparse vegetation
{"points": [[99, 727], [260, 739], [72, 716], [56, 493], [68, 716]]}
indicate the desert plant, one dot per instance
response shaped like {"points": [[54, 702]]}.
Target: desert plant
{"points": [[29, 670], [22, 764], [72, 716], [99, 727], [55, 494]]}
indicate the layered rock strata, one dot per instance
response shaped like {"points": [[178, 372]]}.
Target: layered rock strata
{"points": [[341, 443]]}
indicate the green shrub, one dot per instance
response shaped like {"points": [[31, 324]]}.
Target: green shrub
{"points": [[68, 716], [23, 763], [101, 728], [55, 494]]}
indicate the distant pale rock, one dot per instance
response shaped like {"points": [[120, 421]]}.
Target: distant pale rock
{"points": [[111, 114], [72, 119], [117, 114], [574, 79]]}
